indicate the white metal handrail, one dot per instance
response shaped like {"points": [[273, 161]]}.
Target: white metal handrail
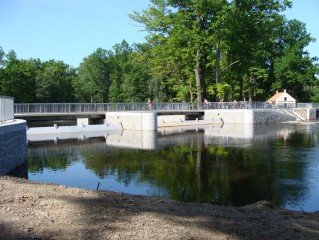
{"points": [[25, 108], [308, 105]]}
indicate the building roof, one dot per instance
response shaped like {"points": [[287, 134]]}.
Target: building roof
{"points": [[276, 96], [282, 97]]}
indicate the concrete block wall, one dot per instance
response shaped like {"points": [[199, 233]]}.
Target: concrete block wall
{"points": [[133, 120], [13, 145], [306, 113], [247, 116], [170, 120], [271, 116], [229, 116]]}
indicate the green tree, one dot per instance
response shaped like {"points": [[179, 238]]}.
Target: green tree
{"points": [[253, 30], [136, 80], [179, 36], [118, 59], [194, 45], [93, 82], [18, 77], [2, 66], [128, 73], [54, 82], [314, 93], [294, 69]]}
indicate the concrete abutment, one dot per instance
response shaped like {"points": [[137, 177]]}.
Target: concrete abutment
{"points": [[13, 145]]}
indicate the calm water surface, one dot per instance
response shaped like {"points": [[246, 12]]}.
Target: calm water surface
{"points": [[231, 165]]}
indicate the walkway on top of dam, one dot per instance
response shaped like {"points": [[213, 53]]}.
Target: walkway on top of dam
{"points": [[75, 110], [30, 110]]}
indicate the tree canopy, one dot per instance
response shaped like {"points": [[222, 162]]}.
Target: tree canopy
{"points": [[194, 49]]}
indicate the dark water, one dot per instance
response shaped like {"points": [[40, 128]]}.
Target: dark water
{"points": [[227, 165]]}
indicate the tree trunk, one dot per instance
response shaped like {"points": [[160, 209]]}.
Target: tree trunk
{"points": [[191, 94], [251, 90], [241, 88], [197, 76], [218, 61]]}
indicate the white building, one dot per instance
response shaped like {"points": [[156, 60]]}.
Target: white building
{"points": [[282, 99]]}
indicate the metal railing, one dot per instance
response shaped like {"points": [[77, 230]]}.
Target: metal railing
{"points": [[307, 105], [25, 108], [6, 108], [245, 105]]}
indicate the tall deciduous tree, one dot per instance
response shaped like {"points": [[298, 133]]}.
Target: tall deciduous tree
{"points": [[54, 82], [294, 69], [93, 80], [180, 39], [18, 78], [254, 28], [120, 65], [129, 73], [136, 80]]}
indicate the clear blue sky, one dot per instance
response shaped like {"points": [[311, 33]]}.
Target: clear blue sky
{"points": [[306, 11], [70, 30], [67, 30]]}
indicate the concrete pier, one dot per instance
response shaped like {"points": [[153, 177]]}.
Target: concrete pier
{"points": [[133, 120]]}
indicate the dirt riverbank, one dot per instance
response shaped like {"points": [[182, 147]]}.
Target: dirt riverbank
{"points": [[30, 210]]}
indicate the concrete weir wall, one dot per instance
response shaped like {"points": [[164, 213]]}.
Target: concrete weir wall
{"points": [[133, 120], [13, 145], [229, 116], [149, 120], [247, 116]]}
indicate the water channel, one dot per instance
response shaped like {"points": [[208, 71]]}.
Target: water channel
{"points": [[232, 165]]}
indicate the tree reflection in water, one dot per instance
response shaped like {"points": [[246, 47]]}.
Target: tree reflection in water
{"points": [[277, 163]]}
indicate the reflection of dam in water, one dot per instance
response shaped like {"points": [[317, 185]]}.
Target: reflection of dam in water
{"points": [[133, 139], [223, 133], [229, 133], [237, 134]]}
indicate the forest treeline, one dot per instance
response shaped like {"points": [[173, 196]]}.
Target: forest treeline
{"points": [[194, 49]]}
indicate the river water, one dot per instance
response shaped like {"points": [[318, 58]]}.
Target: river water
{"points": [[231, 165]]}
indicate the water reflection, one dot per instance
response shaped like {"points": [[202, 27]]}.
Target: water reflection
{"points": [[133, 139], [230, 165]]}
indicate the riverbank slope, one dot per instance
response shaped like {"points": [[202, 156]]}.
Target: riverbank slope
{"points": [[30, 210]]}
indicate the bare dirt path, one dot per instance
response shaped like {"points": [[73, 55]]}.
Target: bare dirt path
{"points": [[31, 210]]}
